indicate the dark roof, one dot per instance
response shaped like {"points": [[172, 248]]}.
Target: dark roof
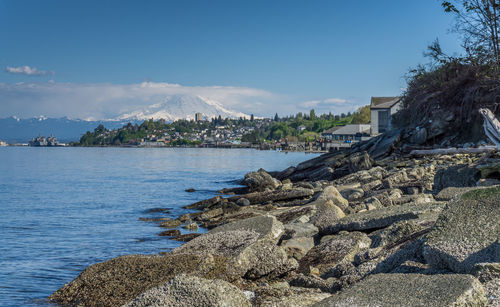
{"points": [[384, 102], [349, 129]]}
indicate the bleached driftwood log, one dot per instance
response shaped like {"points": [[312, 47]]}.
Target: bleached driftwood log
{"points": [[491, 126]]}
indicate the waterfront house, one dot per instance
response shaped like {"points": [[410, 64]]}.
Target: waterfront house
{"points": [[348, 133], [382, 109]]}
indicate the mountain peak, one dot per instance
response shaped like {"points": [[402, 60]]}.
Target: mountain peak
{"points": [[176, 107]]}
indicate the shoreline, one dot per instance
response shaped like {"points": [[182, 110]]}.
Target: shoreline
{"points": [[270, 241]]}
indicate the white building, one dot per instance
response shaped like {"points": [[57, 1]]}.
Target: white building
{"points": [[382, 109]]}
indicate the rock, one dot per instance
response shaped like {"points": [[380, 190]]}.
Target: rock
{"points": [[186, 237], [331, 193], [310, 281], [266, 226], [297, 247], [449, 193], [170, 233], [184, 290], [261, 197], [419, 137], [191, 226], [394, 233], [388, 290], [327, 214], [467, 232], [383, 145], [243, 202], [228, 243], [359, 161], [287, 297], [299, 230], [190, 190], [352, 194], [380, 218], [456, 176], [210, 214], [170, 224], [337, 249], [119, 280], [207, 203], [260, 259], [260, 181]]}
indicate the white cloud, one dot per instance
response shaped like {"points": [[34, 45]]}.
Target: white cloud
{"points": [[104, 100], [327, 105], [26, 70]]}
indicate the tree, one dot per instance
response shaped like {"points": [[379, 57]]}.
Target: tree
{"points": [[478, 21], [276, 117], [362, 115], [312, 114]]}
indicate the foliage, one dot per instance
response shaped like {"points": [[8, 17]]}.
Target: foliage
{"points": [[362, 116], [478, 21]]}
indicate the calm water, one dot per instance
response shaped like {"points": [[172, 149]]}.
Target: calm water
{"points": [[63, 209]]}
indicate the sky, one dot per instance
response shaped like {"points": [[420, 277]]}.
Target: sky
{"points": [[91, 59]]}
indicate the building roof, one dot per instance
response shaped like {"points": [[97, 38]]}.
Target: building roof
{"points": [[384, 102], [349, 129]]}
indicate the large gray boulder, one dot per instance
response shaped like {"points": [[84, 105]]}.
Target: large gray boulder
{"points": [[191, 291], [117, 281], [467, 232], [326, 214], [334, 250], [266, 226], [380, 218], [388, 290], [249, 245], [330, 193], [456, 176], [260, 181]]}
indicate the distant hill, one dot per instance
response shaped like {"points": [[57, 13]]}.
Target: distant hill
{"points": [[16, 130]]}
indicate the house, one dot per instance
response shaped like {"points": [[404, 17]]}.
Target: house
{"points": [[348, 133], [382, 109]]}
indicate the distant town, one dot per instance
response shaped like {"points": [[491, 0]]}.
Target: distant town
{"points": [[300, 132]]}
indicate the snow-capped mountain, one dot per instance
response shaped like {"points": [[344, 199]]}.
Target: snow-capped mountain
{"points": [[177, 107]]}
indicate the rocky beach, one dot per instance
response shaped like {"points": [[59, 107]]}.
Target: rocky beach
{"points": [[372, 226]]}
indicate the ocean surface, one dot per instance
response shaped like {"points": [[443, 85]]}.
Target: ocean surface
{"points": [[62, 209]]}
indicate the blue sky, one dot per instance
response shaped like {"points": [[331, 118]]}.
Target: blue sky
{"points": [[286, 56]]}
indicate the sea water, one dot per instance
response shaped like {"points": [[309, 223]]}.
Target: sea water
{"points": [[62, 209]]}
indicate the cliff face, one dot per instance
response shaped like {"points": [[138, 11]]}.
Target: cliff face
{"points": [[441, 108]]}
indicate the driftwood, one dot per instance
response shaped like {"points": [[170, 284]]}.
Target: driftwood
{"points": [[491, 126], [451, 151]]}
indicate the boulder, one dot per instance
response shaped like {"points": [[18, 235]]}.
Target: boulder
{"points": [[117, 281], [388, 290], [297, 247], [467, 232], [381, 218], [456, 176], [359, 161], [334, 250], [278, 195], [299, 230], [269, 296], [260, 181], [326, 214], [395, 233], [331, 193], [266, 226], [185, 290]]}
